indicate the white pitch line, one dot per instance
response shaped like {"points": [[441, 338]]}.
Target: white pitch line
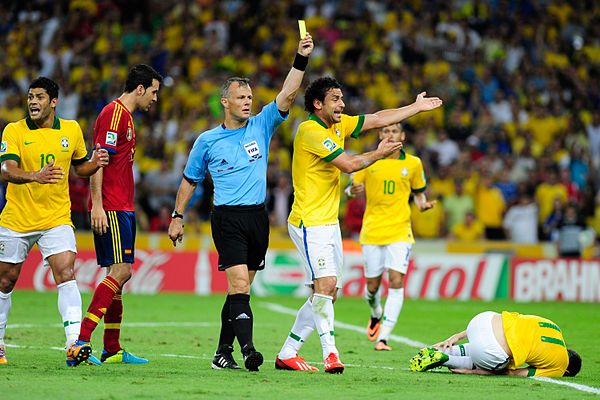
{"points": [[204, 357], [338, 324], [128, 325], [266, 361], [578, 386], [289, 311]]}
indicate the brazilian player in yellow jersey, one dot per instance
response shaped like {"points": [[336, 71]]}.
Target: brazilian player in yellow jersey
{"points": [[313, 224], [508, 344], [36, 154], [386, 235]]}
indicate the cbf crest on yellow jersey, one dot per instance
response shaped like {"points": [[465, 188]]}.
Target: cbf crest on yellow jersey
{"points": [[34, 206], [537, 342], [316, 181], [388, 184]]}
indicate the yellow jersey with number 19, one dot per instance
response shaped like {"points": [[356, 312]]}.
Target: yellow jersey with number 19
{"points": [[388, 184], [34, 206], [537, 342], [316, 181]]}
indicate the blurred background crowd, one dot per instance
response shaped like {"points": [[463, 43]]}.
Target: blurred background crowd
{"points": [[513, 154]]}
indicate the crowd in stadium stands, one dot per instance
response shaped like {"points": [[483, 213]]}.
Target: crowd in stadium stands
{"points": [[514, 151]]}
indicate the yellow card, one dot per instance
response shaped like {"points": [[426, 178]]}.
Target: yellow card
{"points": [[302, 27]]}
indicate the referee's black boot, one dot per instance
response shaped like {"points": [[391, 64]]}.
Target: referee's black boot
{"points": [[224, 359], [252, 359]]}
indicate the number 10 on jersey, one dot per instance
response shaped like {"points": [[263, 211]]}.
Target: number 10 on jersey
{"points": [[46, 159], [389, 187]]}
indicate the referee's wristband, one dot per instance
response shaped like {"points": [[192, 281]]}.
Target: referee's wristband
{"points": [[300, 62]]}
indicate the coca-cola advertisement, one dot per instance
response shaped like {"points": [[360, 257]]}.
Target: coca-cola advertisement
{"points": [[153, 272]]}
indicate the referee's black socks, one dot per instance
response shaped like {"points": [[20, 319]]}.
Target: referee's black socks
{"points": [[242, 320], [227, 335]]}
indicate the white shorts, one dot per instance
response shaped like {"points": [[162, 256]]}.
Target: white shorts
{"points": [[321, 250], [485, 351], [378, 258], [15, 246]]}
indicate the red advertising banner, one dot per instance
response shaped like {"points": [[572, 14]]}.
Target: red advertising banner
{"points": [[157, 271], [447, 276], [154, 271], [555, 279]]}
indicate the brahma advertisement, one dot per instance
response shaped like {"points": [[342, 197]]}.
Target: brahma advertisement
{"points": [[555, 280]]}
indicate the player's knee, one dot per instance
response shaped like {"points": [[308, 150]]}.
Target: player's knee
{"points": [[326, 285], [121, 273], [372, 286], [65, 274], [238, 286], [7, 283], [396, 280]]}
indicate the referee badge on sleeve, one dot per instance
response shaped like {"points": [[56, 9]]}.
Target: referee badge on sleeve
{"points": [[3, 147]]}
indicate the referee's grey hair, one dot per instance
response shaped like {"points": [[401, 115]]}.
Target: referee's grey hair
{"points": [[240, 81]]}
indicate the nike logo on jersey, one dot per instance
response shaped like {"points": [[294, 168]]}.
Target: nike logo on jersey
{"points": [[28, 143]]}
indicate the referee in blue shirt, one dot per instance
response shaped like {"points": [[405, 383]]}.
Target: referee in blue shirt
{"points": [[235, 153]]}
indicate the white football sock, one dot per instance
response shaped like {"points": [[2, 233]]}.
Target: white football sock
{"points": [[5, 304], [322, 307], [393, 306], [374, 302], [459, 362], [303, 327], [459, 350], [69, 306]]}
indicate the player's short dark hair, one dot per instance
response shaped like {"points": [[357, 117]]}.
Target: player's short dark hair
{"points": [[317, 90], [47, 84], [398, 124], [141, 74], [245, 82], [574, 363]]}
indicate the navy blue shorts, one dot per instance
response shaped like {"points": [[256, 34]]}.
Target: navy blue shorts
{"points": [[117, 245]]}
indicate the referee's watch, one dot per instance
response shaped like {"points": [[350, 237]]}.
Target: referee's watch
{"points": [[175, 214]]}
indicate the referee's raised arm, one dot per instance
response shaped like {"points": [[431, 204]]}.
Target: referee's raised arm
{"points": [[293, 80]]}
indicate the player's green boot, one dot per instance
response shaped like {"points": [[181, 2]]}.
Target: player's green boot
{"points": [[121, 357], [427, 358]]}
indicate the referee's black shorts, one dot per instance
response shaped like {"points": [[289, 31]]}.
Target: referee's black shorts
{"points": [[241, 235]]}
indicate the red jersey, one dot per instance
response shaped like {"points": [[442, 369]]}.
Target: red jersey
{"points": [[115, 132]]}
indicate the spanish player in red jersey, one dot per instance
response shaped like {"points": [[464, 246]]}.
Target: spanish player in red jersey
{"points": [[113, 214]]}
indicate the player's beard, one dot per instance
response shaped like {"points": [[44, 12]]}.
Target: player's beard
{"points": [[43, 116]]}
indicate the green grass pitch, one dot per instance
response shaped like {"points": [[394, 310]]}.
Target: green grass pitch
{"points": [[178, 334]]}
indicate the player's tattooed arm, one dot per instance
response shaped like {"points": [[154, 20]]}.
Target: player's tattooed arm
{"points": [[49, 174], [347, 163]]}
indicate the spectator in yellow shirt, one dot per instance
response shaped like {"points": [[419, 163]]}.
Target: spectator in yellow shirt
{"points": [[489, 208], [547, 192], [428, 225], [469, 230]]}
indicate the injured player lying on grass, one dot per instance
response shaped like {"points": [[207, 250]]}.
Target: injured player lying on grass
{"points": [[503, 344]]}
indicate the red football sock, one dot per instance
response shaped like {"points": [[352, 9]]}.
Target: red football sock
{"points": [[112, 324], [103, 297]]}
